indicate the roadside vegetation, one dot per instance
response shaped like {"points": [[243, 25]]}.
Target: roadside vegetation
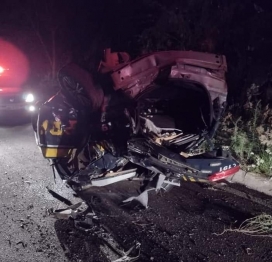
{"points": [[246, 129]]}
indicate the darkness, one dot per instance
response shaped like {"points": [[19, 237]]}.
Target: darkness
{"points": [[52, 33]]}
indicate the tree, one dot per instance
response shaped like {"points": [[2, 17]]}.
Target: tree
{"points": [[48, 21], [238, 29]]}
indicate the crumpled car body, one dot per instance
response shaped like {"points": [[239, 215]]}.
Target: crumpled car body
{"points": [[204, 70], [207, 69], [177, 101]]}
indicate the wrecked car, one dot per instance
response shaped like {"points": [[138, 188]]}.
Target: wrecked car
{"points": [[174, 101]]}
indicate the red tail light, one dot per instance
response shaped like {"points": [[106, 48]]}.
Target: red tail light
{"points": [[224, 174]]}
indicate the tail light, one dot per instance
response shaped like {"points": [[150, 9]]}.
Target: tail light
{"points": [[223, 174]]}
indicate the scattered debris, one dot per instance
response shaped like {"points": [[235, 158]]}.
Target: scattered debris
{"points": [[126, 256], [73, 211], [22, 243], [249, 251], [87, 221], [30, 207], [59, 197], [143, 197], [9, 242]]}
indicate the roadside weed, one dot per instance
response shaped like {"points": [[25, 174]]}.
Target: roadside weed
{"points": [[260, 225], [249, 135]]}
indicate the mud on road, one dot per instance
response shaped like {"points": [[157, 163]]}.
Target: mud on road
{"points": [[178, 226]]}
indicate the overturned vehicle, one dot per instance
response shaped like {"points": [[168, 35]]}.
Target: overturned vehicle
{"points": [[160, 110]]}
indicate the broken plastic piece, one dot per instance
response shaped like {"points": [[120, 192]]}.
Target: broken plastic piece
{"points": [[160, 181], [72, 211], [142, 198], [127, 258]]}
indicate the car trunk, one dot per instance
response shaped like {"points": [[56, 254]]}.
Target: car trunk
{"points": [[188, 104]]}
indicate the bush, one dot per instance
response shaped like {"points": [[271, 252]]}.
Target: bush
{"points": [[249, 134]]}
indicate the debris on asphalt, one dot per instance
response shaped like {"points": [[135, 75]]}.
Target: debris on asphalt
{"points": [[22, 243], [249, 251], [87, 221], [59, 197], [142, 198]]}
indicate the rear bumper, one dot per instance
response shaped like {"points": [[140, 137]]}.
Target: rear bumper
{"points": [[214, 168], [13, 108], [223, 174]]}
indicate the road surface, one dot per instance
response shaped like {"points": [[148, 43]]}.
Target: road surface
{"points": [[181, 225]]}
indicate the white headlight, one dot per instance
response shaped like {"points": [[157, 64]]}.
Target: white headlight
{"points": [[29, 98], [31, 108]]}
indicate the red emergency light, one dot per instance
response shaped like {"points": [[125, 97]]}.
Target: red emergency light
{"points": [[1, 70]]}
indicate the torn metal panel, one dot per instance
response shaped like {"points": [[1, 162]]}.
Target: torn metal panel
{"points": [[207, 69], [114, 177]]}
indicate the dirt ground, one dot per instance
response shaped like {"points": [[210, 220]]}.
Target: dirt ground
{"points": [[181, 225]]}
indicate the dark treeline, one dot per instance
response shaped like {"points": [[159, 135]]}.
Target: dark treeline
{"points": [[52, 33]]}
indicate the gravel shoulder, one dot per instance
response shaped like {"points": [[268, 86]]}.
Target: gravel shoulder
{"points": [[253, 181]]}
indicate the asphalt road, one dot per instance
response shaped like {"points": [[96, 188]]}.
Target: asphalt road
{"points": [[26, 233], [177, 226]]}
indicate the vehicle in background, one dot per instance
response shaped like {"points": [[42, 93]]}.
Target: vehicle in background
{"points": [[14, 97]]}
